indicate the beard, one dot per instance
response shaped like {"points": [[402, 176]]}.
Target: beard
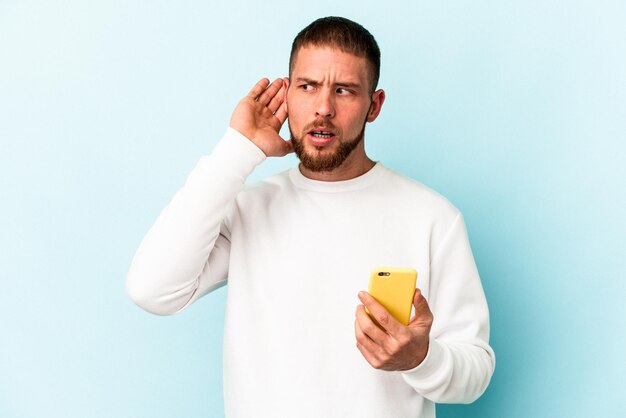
{"points": [[322, 160]]}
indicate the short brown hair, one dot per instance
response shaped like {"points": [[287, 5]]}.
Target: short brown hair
{"points": [[343, 34]]}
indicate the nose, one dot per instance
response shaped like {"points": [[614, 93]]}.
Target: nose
{"points": [[324, 106]]}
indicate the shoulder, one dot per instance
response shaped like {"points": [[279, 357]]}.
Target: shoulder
{"points": [[417, 196], [266, 188]]}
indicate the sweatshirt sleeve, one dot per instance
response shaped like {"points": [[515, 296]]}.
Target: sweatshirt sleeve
{"points": [[185, 254], [460, 362]]}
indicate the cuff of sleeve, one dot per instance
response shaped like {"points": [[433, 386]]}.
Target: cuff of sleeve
{"points": [[239, 144], [428, 369]]}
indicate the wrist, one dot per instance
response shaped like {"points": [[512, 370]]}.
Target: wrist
{"points": [[423, 352]]}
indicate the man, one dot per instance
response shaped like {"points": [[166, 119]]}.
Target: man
{"points": [[298, 248]]}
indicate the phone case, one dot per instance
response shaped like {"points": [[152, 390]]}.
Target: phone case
{"points": [[394, 289]]}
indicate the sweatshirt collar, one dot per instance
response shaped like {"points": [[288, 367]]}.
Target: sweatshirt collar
{"points": [[361, 182]]}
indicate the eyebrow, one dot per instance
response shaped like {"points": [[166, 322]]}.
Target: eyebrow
{"points": [[316, 83]]}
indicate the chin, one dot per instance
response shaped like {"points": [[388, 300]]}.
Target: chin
{"points": [[324, 159]]}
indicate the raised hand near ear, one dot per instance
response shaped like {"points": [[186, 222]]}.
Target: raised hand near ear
{"points": [[260, 115]]}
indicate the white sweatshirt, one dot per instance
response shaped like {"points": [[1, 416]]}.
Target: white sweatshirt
{"points": [[295, 253]]}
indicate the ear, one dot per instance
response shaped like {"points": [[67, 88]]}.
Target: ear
{"points": [[378, 98], [286, 84]]}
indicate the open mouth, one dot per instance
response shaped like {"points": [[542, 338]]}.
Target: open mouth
{"points": [[320, 138], [322, 134]]}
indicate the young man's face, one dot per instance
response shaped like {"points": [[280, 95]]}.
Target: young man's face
{"points": [[329, 101]]}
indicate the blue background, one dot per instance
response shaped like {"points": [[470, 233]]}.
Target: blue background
{"points": [[516, 111]]}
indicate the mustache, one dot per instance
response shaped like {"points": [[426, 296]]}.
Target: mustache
{"points": [[320, 123]]}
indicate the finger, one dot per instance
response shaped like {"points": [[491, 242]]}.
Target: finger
{"points": [[362, 338], [370, 357], [369, 328], [366, 346], [384, 318], [270, 91], [281, 113], [278, 99], [258, 88]]}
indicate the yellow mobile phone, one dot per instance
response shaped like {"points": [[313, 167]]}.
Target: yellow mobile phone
{"points": [[394, 289]]}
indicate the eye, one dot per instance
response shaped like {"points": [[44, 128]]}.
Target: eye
{"points": [[306, 87], [343, 91]]}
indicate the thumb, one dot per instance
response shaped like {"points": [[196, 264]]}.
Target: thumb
{"points": [[289, 148], [277, 147], [422, 310]]}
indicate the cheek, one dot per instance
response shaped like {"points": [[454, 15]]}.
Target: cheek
{"points": [[358, 115], [295, 110]]}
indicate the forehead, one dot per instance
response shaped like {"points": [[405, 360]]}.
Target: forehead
{"points": [[321, 62]]}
